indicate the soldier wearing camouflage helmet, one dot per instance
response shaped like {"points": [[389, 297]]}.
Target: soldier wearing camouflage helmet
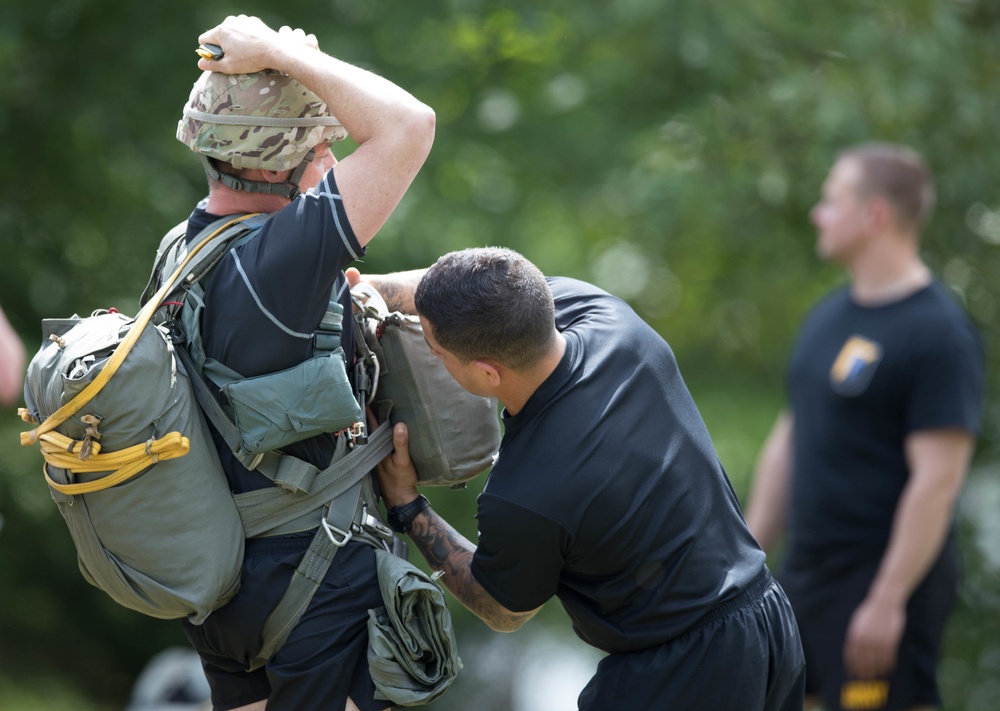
{"points": [[265, 120], [262, 119]]}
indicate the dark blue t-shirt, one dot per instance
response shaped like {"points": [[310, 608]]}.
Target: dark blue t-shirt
{"points": [[861, 379], [608, 492], [265, 299]]}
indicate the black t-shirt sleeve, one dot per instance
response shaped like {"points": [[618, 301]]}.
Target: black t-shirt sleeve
{"points": [[519, 556], [947, 385]]}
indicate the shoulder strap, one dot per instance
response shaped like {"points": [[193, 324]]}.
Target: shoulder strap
{"points": [[211, 246], [209, 405], [167, 246], [215, 247], [172, 249]]}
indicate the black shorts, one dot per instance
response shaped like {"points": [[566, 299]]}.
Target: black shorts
{"points": [[745, 656], [325, 658], [826, 588]]}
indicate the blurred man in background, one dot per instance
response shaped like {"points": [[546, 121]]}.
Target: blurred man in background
{"points": [[864, 467]]}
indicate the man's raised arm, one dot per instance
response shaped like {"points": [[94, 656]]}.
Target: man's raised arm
{"points": [[394, 131]]}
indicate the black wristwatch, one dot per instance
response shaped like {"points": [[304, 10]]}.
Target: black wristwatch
{"points": [[401, 517]]}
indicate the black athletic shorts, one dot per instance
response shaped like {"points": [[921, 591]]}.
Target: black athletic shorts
{"points": [[826, 588], [325, 659], [745, 656]]}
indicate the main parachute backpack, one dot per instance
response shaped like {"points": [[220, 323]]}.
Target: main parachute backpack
{"points": [[131, 464]]}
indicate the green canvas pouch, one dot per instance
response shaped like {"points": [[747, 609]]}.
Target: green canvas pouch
{"points": [[274, 410]]}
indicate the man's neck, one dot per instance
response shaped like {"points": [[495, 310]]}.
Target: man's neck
{"points": [[876, 284], [519, 387], [225, 201]]}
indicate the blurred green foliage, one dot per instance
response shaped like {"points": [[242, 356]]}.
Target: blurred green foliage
{"points": [[669, 151]]}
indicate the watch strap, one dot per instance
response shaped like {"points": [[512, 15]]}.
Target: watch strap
{"points": [[400, 518]]}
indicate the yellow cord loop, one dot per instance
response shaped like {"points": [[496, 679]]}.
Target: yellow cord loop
{"points": [[64, 453], [26, 416]]}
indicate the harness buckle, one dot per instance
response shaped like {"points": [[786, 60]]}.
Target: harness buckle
{"points": [[373, 525], [253, 462], [332, 531], [358, 433]]}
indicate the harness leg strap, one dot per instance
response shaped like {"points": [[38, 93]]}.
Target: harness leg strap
{"points": [[344, 515]]}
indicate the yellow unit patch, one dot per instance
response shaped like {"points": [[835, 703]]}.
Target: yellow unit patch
{"points": [[855, 364], [864, 695]]}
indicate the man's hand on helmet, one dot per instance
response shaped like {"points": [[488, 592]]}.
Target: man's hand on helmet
{"points": [[249, 44]]}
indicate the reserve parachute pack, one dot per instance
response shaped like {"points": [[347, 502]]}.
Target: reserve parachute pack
{"points": [[454, 435], [122, 409]]}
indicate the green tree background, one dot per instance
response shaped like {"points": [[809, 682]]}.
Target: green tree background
{"points": [[668, 151]]}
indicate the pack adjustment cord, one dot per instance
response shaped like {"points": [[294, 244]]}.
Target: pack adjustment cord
{"points": [[65, 453]]}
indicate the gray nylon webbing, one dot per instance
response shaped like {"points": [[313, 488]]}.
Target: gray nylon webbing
{"points": [[263, 510], [307, 577], [267, 121]]}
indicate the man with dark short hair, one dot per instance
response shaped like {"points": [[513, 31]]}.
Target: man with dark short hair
{"points": [[864, 467], [607, 493]]}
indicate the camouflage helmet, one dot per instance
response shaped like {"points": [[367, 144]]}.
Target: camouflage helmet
{"points": [[265, 120]]}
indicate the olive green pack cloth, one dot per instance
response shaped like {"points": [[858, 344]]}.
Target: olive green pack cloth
{"points": [[412, 652], [454, 434]]}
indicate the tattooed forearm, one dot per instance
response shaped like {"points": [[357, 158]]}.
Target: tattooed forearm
{"points": [[397, 289], [447, 550]]}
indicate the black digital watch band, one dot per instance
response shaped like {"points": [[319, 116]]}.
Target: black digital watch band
{"points": [[400, 518]]}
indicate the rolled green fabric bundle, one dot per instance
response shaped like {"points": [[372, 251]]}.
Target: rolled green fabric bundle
{"points": [[412, 652]]}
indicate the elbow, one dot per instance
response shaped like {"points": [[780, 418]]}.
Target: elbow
{"points": [[419, 130], [406, 139], [505, 625], [503, 620]]}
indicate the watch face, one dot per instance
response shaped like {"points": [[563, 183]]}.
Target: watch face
{"points": [[394, 521]]}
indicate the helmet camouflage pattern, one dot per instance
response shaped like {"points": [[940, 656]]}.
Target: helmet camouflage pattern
{"points": [[265, 120]]}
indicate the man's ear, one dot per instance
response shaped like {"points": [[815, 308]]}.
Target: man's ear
{"points": [[274, 176], [490, 371], [881, 216]]}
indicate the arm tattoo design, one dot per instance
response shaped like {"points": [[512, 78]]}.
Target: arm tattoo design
{"points": [[393, 294], [397, 289], [447, 550]]}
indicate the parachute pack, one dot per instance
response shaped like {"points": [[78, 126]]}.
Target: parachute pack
{"points": [[123, 415], [448, 426]]}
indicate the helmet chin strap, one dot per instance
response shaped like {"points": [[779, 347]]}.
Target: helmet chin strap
{"points": [[289, 189]]}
